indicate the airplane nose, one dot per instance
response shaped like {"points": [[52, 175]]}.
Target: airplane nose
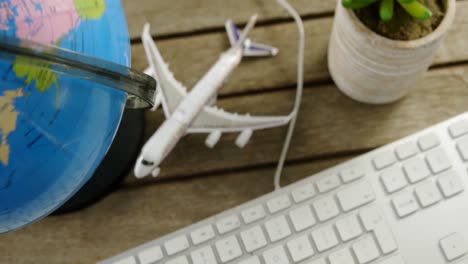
{"points": [[143, 168]]}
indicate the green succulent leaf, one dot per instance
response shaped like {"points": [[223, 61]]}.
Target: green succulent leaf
{"points": [[406, 1], [416, 9], [357, 4], [386, 10]]}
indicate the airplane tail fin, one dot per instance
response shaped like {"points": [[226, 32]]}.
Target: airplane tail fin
{"points": [[250, 49]]}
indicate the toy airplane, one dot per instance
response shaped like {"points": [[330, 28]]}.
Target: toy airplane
{"points": [[192, 112]]}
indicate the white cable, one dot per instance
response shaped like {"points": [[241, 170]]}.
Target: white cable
{"points": [[300, 86]]}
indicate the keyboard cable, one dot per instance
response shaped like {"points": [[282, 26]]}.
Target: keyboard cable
{"points": [[300, 85]]}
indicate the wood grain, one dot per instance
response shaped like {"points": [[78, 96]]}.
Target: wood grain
{"points": [[191, 57], [169, 17], [329, 123], [134, 216]]}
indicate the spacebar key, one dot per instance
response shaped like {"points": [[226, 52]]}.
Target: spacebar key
{"points": [[356, 196]]}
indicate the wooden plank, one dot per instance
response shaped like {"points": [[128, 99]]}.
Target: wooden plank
{"points": [[191, 57], [181, 16], [142, 214], [329, 123]]}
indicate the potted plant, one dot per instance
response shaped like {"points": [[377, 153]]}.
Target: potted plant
{"points": [[380, 48]]}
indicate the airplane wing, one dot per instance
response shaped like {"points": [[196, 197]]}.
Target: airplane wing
{"points": [[170, 92], [216, 121]]}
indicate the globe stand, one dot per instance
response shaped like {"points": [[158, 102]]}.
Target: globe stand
{"points": [[115, 166]]}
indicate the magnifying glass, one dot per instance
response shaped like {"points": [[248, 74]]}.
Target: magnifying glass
{"points": [[70, 145], [140, 87]]}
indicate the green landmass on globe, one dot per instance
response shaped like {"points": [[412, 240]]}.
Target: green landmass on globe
{"points": [[35, 71]]}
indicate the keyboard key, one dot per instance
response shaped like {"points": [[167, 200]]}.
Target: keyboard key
{"points": [[228, 224], [352, 173], [450, 184], [348, 228], [228, 249], [150, 255], [459, 129], [253, 214], [326, 208], [300, 248], [394, 260], [202, 234], [303, 193], [406, 150], [366, 250], [276, 255], [328, 183], [324, 238], [385, 238], [279, 203], [416, 169], [203, 255], [355, 196], [278, 228], [178, 260], [462, 146], [176, 245], [127, 260], [428, 141], [251, 260], [453, 246], [438, 160], [302, 218], [428, 194], [253, 239], [405, 204], [371, 218], [393, 179], [384, 159], [342, 256]]}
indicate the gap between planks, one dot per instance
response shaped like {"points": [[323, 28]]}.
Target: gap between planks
{"points": [[219, 28]]}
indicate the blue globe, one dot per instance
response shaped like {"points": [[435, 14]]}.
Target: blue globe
{"points": [[55, 129]]}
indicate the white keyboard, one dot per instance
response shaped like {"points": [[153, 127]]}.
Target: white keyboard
{"points": [[403, 203]]}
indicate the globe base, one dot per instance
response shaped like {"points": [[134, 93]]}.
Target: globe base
{"points": [[115, 166]]}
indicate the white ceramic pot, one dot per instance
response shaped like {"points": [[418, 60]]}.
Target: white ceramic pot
{"points": [[373, 69]]}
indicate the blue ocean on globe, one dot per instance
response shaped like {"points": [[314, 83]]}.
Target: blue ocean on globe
{"points": [[55, 129]]}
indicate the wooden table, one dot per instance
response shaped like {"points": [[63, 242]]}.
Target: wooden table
{"points": [[331, 128]]}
